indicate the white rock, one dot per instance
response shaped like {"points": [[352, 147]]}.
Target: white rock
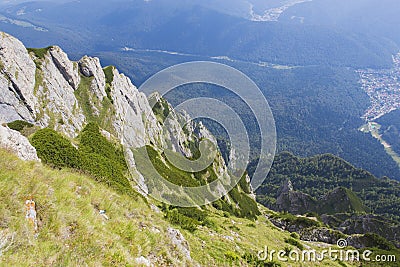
{"points": [[143, 261], [90, 67], [17, 77], [17, 143], [67, 68], [59, 101], [179, 241]]}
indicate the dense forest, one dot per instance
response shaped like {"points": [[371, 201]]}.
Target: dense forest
{"points": [[317, 109], [319, 174]]}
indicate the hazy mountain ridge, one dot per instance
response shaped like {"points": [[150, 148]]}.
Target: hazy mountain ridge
{"points": [[194, 28]]}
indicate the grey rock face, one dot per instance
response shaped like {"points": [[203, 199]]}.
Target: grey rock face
{"points": [[293, 201], [17, 143], [59, 104], [67, 68], [322, 234], [133, 117], [17, 77], [8, 113]]}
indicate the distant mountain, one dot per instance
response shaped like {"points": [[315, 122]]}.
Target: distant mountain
{"points": [[370, 17], [196, 28], [338, 200]]}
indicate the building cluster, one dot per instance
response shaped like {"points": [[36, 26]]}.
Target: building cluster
{"points": [[383, 88]]}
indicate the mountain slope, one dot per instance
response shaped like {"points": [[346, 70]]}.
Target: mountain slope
{"points": [[72, 231], [320, 174]]}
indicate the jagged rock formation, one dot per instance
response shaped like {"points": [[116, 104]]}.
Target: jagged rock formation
{"points": [[44, 87], [293, 201], [364, 223], [339, 200], [17, 80]]}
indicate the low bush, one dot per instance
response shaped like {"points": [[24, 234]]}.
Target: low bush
{"points": [[294, 242], [96, 156], [295, 235], [232, 256], [55, 150], [19, 125], [374, 240], [183, 221]]}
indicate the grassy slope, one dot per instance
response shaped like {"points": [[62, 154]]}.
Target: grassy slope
{"points": [[71, 231]]}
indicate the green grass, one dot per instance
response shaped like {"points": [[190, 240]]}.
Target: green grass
{"points": [[39, 52], [89, 102], [108, 72], [83, 97], [73, 233]]}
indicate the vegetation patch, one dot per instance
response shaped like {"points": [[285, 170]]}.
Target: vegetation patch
{"points": [[39, 52], [84, 98], [19, 125], [95, 156], [108, 72], [1, 65], [377, 241], [161, 109], [89, 102], [294, 242], [55, 150]]}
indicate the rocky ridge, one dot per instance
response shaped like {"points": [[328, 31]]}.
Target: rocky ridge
{"points": [[43, 87]]}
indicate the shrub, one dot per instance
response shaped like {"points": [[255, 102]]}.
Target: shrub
{"points": [[96, 156], [248, 207], [374, 240], [91, 141], [19, 125], [294, 242], [106, 171], [295, 235], [194, 213], [183, 221], [253, 225], [55, 150]]}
